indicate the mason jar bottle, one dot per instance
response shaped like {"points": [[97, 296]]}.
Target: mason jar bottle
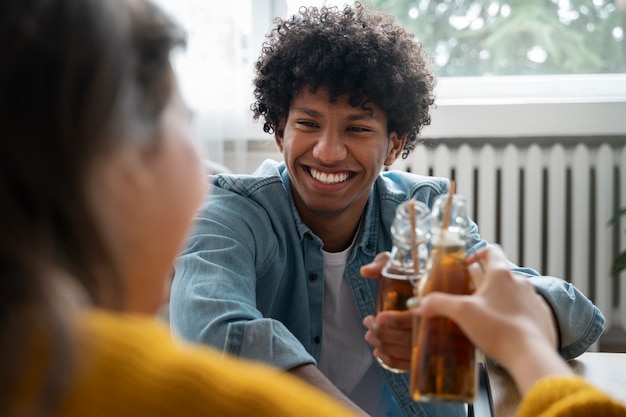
{"points": [[410, 232], [443, 360]]}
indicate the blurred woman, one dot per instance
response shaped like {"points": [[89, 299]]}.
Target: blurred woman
{"points": [[99, 181]]}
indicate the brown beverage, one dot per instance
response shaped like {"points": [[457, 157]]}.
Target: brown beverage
{"points": [[396, 285], [393, 292], [443, 360]]}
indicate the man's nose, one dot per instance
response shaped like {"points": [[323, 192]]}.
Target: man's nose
{"points": [[330, 147]]}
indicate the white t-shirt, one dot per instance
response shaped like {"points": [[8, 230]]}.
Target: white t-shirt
{"points": [[346, 358]]}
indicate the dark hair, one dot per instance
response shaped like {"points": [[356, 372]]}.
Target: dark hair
{"points": [[354, 51], [78, 78]]}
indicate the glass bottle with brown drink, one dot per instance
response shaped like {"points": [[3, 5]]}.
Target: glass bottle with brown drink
{"points": [[443, 360], [410, 232]]}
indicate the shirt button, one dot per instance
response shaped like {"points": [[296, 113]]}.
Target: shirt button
{"points": [[313, 277], [317, 340]]}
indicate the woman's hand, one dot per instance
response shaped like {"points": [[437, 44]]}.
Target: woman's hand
{"points": [[505, 318]]}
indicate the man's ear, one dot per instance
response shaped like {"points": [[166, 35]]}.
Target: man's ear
{"points": [[279, 134], [396, 145]]}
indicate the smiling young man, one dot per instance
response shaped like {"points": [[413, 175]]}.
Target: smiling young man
{"points": [[272, 269], [334, 152]]}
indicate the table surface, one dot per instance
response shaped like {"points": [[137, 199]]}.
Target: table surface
{"points": [[606, 371]]}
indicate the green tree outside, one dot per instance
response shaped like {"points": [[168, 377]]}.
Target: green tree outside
{"points": [[518, 37]]}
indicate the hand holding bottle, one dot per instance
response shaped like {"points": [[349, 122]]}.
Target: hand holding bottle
{"points": [[505, 318], [389, 332], [443, 359], [405, 266]]}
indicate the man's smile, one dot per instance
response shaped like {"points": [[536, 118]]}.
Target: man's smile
{"points": [[329, 178]]}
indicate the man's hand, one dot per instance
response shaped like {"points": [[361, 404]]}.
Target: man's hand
{"points": [[389, 332], [311, 374]]}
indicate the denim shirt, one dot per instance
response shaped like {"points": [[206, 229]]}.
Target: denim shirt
{"points": [[250, 280]]}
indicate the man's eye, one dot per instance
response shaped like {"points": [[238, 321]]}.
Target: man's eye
{"points": [[359, 129], [306, 123]]}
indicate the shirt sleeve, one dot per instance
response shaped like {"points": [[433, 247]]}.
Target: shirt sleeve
{"points": [[580, 322], [568, 396], [214, 293]]}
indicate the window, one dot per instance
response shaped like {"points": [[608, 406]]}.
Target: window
{"points": [[517, 37], [522, 67], [506, 68]]}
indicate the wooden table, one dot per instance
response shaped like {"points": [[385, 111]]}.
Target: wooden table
{"points": [[606, 371]]}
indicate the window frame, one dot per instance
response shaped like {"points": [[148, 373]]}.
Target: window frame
{"points": [[529, 106], [524, 106]]}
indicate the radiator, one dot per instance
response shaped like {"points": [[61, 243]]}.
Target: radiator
{"points": [[546, 203]]}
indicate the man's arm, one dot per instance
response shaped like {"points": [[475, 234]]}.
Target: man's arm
{"points": [[311, 374], [579, 322]]}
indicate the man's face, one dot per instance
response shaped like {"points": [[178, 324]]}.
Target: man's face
{"points": [[333, 153]]}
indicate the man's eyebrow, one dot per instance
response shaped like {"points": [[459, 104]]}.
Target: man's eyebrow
{"points": [[308, 111], [360, 116]]}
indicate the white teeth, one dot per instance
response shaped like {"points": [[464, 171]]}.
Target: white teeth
{"points": [[329, 178]]}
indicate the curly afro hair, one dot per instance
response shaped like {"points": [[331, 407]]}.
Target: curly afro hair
{"points": [[363, 53]]}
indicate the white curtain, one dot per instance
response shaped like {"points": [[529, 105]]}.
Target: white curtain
{"points": [[224, 39]]}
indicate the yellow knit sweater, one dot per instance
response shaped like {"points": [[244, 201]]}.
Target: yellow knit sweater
{"points": [[130, 366], [568, 396]]}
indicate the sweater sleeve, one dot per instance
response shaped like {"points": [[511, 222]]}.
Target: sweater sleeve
{"points": [[131, 366], [568, 396]]}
